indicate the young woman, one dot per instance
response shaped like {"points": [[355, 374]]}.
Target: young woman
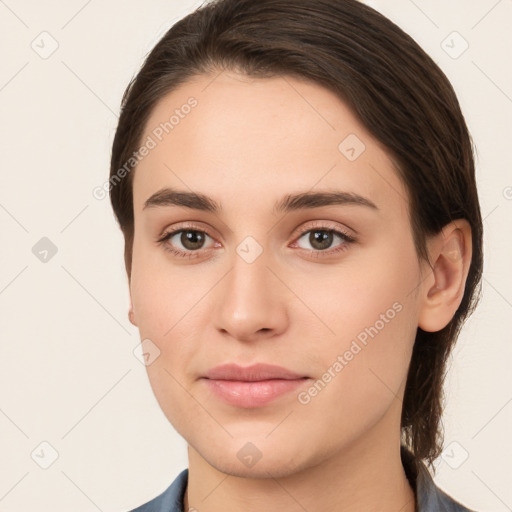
{"points": [[303, 241]]}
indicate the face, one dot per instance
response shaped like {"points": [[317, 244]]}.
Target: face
{"points": [[323, 286]]}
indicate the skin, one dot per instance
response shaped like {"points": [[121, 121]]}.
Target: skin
{"points": [[248, 143]]}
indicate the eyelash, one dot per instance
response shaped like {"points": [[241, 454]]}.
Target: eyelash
{"points": [[347, 240]]}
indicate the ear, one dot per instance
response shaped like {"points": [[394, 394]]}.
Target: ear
{"points": [[442, 289], [131, 314]]}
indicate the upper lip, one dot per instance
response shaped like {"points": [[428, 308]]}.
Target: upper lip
{"points": [[253, 373]]}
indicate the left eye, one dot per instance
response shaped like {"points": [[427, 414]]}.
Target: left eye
{"points": [[322, 239]]}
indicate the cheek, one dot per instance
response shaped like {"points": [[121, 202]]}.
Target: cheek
{"points": [[166, 315], [369, 320], [157, 296], [366, 290], [167, 305], [364, 368]]}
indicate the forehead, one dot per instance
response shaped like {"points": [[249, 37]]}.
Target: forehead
{"points": [[231, 136]]}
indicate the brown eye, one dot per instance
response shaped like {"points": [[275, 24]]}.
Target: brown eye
{"points": [[321, 239], [192, 240], [184, 242]]}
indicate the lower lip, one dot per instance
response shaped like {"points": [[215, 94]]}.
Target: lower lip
{"points": [[252, 394]]}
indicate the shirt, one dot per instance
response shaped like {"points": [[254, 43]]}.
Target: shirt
{"points": [[429, 497]]}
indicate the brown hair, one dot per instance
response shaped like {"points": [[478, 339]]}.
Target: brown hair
{"points": [[393, 87]]}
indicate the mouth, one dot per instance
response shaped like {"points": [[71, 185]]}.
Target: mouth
{"points": [[252, 386]]}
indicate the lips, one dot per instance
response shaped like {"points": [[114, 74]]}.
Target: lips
{"points": [[256, 372], [252, 386]]}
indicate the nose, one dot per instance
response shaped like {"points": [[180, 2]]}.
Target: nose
{"points": [[251, 302]]}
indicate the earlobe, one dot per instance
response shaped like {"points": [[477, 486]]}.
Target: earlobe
{"points": [[131, 315], [442, 292]]}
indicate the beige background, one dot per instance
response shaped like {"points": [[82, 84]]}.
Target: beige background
{"points": [[68, 375]]}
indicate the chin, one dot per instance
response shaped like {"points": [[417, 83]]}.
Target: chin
{"points": [[255, 457], [276, 467]]}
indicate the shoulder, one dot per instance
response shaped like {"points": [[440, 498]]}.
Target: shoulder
{"points": [[170, 500], [429, 497], [445, 503]]}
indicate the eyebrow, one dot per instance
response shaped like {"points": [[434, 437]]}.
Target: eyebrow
{"points": [[291, 202]]}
